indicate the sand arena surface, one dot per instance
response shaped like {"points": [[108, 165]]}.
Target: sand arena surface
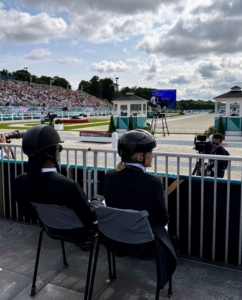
{"points": [[180, 128]]}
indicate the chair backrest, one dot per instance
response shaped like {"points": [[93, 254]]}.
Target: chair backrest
{"points": [[124, 225], [57, 217]]}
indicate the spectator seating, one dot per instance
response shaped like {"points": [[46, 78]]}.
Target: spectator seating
{"points": [[22, 93], [61, 223], [124, 232]]}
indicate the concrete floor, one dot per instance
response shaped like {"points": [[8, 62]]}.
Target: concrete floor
{"points": [[136, 278]]}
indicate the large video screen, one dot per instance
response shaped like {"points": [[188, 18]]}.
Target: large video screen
{"points": [[163, 98]]}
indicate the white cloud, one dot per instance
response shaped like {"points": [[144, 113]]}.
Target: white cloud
{"points": [[208, 69], [150, 77], [118, 22], [150, 65], [180, 79], [124, 7], [20, 27], [38, 54], [69, 60], [109, 66], [216, 31], [192, 46]]}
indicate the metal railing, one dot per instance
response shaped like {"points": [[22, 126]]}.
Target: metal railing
{"points": [[85, 164], [60, 114]]}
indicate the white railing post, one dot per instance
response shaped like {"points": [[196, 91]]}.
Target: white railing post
{"points": [[114, 146]]}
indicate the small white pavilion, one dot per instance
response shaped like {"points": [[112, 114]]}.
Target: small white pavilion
{"points": [[129, 105], [231, 114]]}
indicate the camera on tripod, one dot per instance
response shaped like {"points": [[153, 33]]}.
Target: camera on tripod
{"points": [[201, 145]]}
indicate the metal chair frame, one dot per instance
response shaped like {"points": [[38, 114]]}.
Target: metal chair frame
{"points": [[112, 266], [91, 239]]}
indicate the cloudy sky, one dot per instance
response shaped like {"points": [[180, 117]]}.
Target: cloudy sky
{"points": [[192, 46]]}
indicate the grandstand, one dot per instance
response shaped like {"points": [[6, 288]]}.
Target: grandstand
{"points": [[16, 95]]}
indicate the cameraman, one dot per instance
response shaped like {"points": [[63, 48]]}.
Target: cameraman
{"points": [[216, 149], [51, 119], [6, 153]]}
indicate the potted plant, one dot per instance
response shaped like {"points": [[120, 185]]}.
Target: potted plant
{"points": [[58, 124]]}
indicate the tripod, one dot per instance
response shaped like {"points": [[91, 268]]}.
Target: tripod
{"points": [[155, 121], [197, 170]]}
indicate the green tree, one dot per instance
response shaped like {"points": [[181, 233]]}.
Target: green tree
{"points": [[44, 80], [84, 85], [59, 81], [221, 126], [22, 75], [4, 72], [142, 92], [131, 124], [108, 88], [95, 87], [112, 127], [125, 90]]}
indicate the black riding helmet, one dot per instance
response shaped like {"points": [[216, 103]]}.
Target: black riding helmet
{"points": [[133, 141], [38, 138]]}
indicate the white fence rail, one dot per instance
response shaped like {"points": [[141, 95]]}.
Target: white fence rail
{"points": [[84, 165]]}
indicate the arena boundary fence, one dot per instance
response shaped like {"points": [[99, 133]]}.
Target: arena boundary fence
{"points": [[60, 114], [206, 213]]}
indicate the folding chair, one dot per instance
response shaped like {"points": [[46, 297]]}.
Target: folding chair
{"points": [[124, 232], [61, 223]]}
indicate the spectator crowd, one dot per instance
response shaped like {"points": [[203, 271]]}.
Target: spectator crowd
{"points": [[22, 93]]}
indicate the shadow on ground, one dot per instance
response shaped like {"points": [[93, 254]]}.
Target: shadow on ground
{"points": [[136, 278]]}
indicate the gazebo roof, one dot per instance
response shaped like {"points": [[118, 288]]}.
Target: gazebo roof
{"points": [[234, 93], [130, 97]]}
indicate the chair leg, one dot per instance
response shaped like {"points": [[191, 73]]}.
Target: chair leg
{"points": [[64, 253], [169, 293], [33, 289], [157, 296], [114, 276], [94, 270], [109, 265], [89, 268]]}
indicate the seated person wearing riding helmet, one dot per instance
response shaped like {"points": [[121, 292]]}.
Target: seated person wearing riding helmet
{"points": [[43, 182], [130, 187]]}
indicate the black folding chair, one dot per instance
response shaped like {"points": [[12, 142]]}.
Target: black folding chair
{"points": [[124, 232], [61, 223]]}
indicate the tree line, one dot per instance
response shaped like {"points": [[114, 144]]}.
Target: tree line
{"points": [[107, 89], [104, 88], [197, 105], [25, 75]]}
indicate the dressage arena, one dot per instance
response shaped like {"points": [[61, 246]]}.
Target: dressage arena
{"points": [[182, 128]]}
